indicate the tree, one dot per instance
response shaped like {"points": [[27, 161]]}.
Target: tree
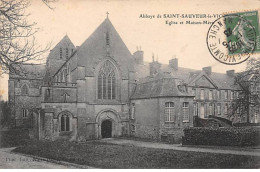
{"points": [[249, 81], [17, 41], [5, 117]]}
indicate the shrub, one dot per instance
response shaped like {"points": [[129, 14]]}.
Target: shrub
{"points": [[231, 136], [14, 137]]}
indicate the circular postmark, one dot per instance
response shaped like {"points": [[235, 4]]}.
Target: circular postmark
{"points": [[231, 39]]}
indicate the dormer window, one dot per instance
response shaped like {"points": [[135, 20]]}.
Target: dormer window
{"points": [[182, 87]]}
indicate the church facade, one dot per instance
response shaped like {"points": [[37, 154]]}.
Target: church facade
{"points": [[100, 90]]}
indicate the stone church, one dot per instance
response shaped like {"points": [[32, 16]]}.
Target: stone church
{"points": [[101, 90]]}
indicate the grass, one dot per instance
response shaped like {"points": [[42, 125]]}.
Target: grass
{"points": [[13, 137], [106, 155]]}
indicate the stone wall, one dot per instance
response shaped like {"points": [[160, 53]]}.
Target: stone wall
{"points": [[146, 121], [149, 119], [51, 121]]}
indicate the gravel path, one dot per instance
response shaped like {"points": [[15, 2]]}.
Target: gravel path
{"points": [[224, 150]]}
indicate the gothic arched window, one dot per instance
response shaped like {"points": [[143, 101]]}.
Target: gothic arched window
{"points": [[65, 122], [107, 82], [25, 90]]}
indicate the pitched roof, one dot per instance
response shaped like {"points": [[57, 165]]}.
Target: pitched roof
{"points": [[221, 80], [95, 49], [54, 57], [30, 71], [65, 41], [164, 87]]}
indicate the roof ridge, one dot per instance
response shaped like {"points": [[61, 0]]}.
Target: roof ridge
{"points": [[156, 80]]}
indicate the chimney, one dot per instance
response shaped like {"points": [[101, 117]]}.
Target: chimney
{"points": [[173, 63], [155, 67], [207, 70], [230, 73], [139, 57]]}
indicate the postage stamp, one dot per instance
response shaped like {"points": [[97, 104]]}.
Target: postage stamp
{"points": [[233, 38]]}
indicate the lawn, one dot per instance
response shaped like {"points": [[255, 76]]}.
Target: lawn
{"points": [[106, 155]]}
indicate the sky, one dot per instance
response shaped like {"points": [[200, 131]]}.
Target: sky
{"points": [[187, 42]]}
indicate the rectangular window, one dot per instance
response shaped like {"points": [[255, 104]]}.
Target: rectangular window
{"points": [[219, 109], [226, 109], [226, 94], [219, 94], [194, 92], [202, 111], [210, 109], [169, 112], [238, 109], [256, 116], [185, 111], [232, 95], [202, 94], [195, 108], [133, 111], [205, 111], [210, 94], [237, 94], [25, 113]]}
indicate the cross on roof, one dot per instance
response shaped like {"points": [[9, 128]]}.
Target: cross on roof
{"points": [[107, 14]]}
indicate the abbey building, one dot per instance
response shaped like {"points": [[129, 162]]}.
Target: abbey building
{"points": [[100, 89]]}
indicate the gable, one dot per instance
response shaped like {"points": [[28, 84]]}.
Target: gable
{"points": [[95, 49], [203, 81], [59, 54]]}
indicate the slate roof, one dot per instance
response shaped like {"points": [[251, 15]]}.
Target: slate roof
{"points": [[94, 50], [224, 81], [164, 87], [221, 80]]}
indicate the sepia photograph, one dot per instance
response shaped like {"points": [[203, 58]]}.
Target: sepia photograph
{"points": [[128, 84]]}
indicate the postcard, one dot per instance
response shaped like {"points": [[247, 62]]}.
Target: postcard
{"points": [[127, 84]]}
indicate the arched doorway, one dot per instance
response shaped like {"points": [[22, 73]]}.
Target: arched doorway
{"points": [[108, 124], [106, 129]]}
